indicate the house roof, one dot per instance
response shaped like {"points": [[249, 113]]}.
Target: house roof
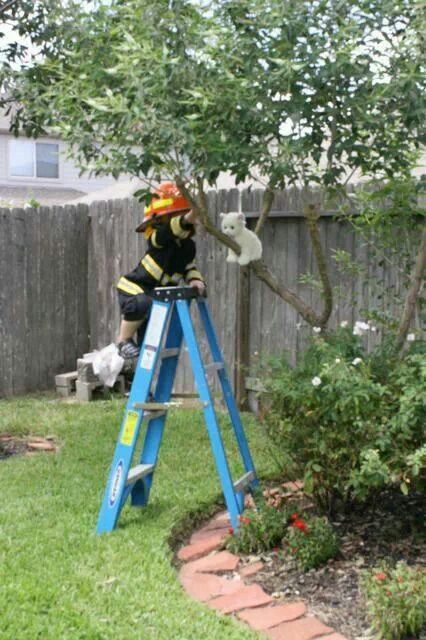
{"points": [[19, 195]]}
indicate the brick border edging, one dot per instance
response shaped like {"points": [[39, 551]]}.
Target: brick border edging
{"points": [[230, 595]]}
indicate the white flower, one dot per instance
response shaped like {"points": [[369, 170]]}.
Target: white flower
{"points": [[360, 328], [298, 325], [344, 324], [316, 329], [337, 360], [356, 361], [411, 337], [316, 381], [373, 329]]}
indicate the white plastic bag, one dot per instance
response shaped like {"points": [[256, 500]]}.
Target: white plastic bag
{"points": [[107, 364]]}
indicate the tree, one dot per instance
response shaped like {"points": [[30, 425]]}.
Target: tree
{"points": [[300, 92]]}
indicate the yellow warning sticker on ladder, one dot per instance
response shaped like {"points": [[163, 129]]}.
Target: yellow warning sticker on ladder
{"points": [[129, 427]]}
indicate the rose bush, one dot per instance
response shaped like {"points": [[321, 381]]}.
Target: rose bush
{"points": [[348, 422]]}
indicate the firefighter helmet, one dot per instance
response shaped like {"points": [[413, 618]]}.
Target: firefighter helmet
{"points": [[167, 202]]}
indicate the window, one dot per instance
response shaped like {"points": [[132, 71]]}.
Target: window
{"points": [[33, 159]]}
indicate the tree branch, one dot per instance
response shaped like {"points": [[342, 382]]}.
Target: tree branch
{"points": [[258, 266], [412, 293], [268, 198], [7, 5]]}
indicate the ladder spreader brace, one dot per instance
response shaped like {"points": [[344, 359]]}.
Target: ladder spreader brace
{"points": [[169, 324]]}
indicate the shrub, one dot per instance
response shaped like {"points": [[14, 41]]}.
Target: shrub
{"points": [[259, 530], [348, 426], [312, 541], [395, 600]]}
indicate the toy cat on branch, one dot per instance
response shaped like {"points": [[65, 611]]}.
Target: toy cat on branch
{"points": [[234, 226]]}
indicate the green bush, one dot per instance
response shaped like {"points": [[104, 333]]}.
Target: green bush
{"points": [[260, 529], [312, 541], [395, 600], [348, 422]]}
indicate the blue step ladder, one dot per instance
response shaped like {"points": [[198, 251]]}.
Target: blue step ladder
{"points": [[169, 324]]}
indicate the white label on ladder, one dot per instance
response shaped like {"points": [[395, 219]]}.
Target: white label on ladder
{"points": [[156, 324], [148, 357]]}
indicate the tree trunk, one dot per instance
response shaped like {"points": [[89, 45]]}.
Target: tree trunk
{"points": [[312, 215], [412, 293], [242, 338]]}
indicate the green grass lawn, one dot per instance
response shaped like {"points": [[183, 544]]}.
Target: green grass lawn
{"points": [[60, 581]]}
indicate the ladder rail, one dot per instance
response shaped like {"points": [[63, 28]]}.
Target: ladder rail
{"points": [[227, 391], [204, 392]]}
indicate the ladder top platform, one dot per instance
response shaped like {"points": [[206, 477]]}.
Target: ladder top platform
{"points": [[166, 294]]}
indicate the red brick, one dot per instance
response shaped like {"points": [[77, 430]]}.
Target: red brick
{"points": [[251, 569], [220, 520], [267, 617], [334, 636], [204, 586], [246, 596], [301, 629], [202, 548], [222, 561], [206, 534]]}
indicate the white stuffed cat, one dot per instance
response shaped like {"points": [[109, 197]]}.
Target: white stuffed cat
{"points": [[234, 226]]}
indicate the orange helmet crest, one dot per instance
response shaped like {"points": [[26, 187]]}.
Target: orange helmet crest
{"points": [[169, 202]]}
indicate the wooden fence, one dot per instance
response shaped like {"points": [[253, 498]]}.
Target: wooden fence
{"points": [[58, 268], [44, 322]]}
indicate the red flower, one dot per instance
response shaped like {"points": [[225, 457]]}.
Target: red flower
{"points": [[380, 576], [294, 516], [301, 524], [231, 531], [245, 520]]}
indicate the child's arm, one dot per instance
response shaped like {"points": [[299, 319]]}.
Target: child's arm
{"points": [[194, 278], [177, 227]]}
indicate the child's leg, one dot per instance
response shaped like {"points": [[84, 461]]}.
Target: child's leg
{"points": [[128, 328], [135, 311]]}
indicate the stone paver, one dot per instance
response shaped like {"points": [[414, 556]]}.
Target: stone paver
{"points": [[246, 596], [205, 586], [300, 629], [334, 636], [221, 561], [220, 520], [266, 617], [206, 534], [251, 569], [194, 551]]}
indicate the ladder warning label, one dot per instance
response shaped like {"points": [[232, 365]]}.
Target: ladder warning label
{"points": [[129, 428], [148, 357], [156, 324]]}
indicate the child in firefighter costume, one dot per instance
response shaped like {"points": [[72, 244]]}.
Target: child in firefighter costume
{"points": [[168, 226]]}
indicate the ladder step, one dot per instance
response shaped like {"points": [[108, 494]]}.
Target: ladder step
{"points": [[214, 366], [152, 406], [149, 414], [163, 407], [138, 472], [169, 353], [242, 482]]}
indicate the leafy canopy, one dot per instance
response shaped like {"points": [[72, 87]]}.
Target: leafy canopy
{"points": [[298, 91]]}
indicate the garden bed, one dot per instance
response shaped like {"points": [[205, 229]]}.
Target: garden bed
{"points": [[391, 530], [11, 445]]}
